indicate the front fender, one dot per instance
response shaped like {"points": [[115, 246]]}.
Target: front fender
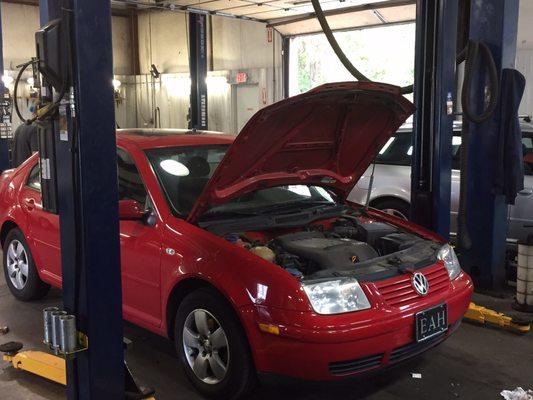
{"points": [[242, 277]]}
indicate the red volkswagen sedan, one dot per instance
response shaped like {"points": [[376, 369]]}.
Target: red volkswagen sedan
{"points": [[245, 252]]}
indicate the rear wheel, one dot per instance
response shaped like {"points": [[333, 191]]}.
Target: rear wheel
{"points": [[20, 270], [398, 208], [212, 346]]}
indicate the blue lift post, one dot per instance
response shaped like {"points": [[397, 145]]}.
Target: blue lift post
{"points": [[88, 204], [198, 70], [434, 88], [286, 48], [493, 22], [4, 142]]}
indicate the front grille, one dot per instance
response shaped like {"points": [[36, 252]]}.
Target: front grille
{"points": [[352, 366], [399, 291], [412, 349]]}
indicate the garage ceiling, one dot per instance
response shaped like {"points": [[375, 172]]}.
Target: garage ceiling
{"points": [[350, 17], [292, 17], [289, 17]]}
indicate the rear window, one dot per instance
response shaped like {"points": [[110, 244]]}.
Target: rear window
{"points": [[527, 149], [399, 150]]}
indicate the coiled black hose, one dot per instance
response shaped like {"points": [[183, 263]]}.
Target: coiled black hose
{"points": [[23, 68], [474, 51], [473, 54], [45, 112]]}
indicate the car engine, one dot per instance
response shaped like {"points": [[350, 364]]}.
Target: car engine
{"points": [[343, 245], [315, 251]]}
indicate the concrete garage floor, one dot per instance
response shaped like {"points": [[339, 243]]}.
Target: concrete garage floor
{"points": [[476, 363]]}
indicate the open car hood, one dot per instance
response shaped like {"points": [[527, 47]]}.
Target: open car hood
{"points": [[326, 137]]}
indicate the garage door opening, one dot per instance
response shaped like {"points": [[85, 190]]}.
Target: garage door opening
{"points": [[384, 54]]}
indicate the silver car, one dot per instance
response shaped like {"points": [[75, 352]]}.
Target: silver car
{"points": [[391, 190]]}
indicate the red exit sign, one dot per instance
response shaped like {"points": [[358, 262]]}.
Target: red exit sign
{"points": [[242, 77]]}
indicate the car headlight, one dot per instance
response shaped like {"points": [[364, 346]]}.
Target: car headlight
{"points": [[447, 254], [336, 296]]}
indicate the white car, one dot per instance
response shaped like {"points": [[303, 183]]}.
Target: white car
{"points": [[391, 190]]}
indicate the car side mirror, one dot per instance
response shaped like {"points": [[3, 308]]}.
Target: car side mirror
{"points": [[130, 210]]}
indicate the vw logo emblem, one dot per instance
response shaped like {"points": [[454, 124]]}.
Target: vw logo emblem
{"points": [[420, 284]]}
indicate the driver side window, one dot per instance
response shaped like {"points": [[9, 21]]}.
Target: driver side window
{"points": [[130, 184], [34, 178]]}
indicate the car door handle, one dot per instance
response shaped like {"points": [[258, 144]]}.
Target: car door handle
{"points": [[525, 192], [30, 204]]}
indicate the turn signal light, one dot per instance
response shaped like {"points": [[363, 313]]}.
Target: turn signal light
{"points": [[268, 328]]}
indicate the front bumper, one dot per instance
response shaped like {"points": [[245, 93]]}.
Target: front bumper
{"points": [[317, 347]]}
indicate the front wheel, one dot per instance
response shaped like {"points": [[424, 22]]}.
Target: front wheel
{"points": [[20, 270], [212, 346], [398, 208]]}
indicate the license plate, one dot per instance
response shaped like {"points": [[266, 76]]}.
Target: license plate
{"points": [[431, 322]]}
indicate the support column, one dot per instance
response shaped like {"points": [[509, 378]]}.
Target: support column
{"points": [[434, 90], [286, 48], [198, 70], [4, 141], [88, 202], [493, 22]]}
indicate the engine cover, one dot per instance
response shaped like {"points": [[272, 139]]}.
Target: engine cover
{"points": [[326, 253]]}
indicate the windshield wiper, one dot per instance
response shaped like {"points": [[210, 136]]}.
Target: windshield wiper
{"points": [[313, 203], [228, 213], [297, 206], [275, 209]]}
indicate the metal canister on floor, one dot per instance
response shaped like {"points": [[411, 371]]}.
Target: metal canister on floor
{"points": [[524, 276]]}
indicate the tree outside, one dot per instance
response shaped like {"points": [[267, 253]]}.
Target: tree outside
{"points": [[384, 54]]}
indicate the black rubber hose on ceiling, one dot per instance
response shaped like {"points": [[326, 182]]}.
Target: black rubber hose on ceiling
{"points": [[338, 51]]}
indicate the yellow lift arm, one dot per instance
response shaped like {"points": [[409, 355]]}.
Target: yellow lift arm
{"points": [[43, 364], [482, 315], [39, 363]]}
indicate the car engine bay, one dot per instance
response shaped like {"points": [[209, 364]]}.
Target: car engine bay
{"points": [[344, 246]]}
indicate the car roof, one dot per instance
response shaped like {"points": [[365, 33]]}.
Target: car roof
{"points": [[157, 138], [457, 125]]}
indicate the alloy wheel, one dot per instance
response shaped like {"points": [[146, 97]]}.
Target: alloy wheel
{"points": [[206, 346], [17, 264], [394, 212]]}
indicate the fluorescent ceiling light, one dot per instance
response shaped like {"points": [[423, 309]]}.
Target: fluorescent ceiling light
{"points": [[174, 167], [387, 145]]}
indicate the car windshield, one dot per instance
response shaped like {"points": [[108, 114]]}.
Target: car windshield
{"points": [[183, 173], [279, 199]]}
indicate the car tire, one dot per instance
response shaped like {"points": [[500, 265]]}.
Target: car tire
{"points": [[398, 208], [20, 271], [221, 367]]}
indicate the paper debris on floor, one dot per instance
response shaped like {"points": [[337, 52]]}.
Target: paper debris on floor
{"points": [[416, 375], [517, 394]]}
